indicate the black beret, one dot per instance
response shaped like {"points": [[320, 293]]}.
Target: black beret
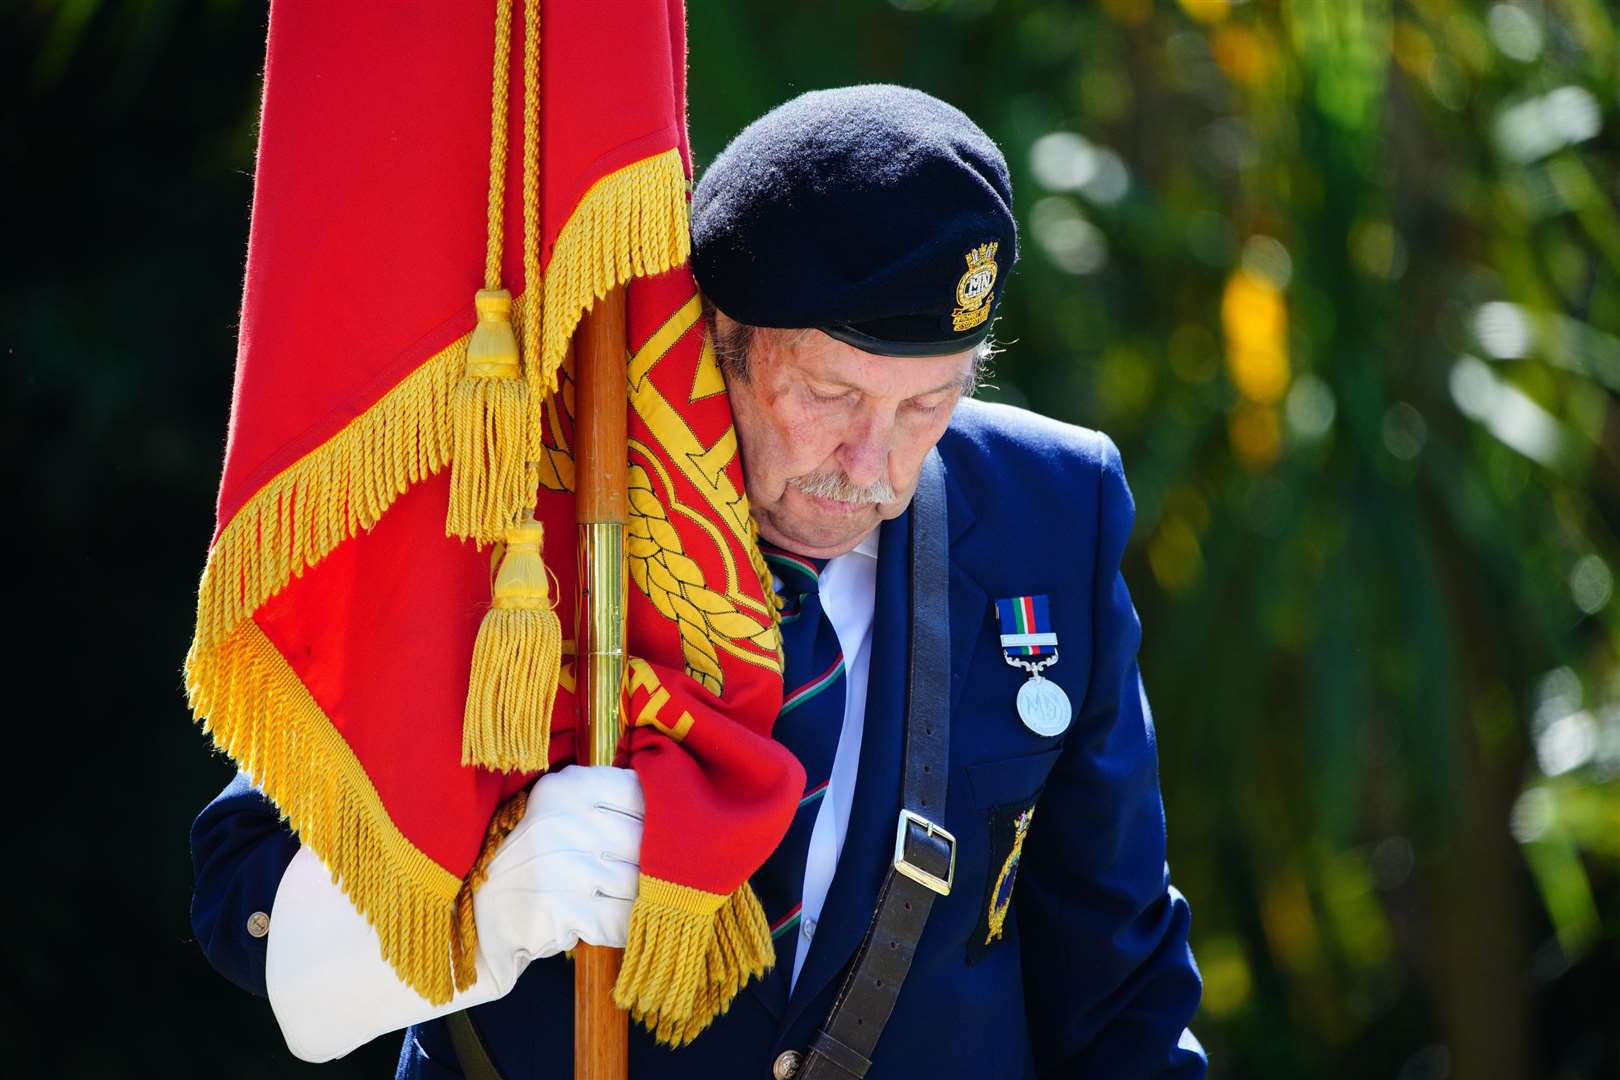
{"points": [[877, 214]]}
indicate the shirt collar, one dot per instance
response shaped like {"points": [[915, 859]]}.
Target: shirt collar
{"points": [[869, 544], [867, 547]]}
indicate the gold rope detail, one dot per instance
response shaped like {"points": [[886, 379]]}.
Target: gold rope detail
{"points": [[531, 201], [687, 955], [517, 657], [497, 429], [260, 713], [497, 143], [464, 941]]}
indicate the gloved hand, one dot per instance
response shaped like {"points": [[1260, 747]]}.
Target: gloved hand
{"points": [[567, 873]]}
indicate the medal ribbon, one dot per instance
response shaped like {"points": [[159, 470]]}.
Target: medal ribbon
{"points": [[1026, 626]]}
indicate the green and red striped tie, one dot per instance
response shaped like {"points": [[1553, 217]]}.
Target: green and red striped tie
{"points": [[809, 724]]}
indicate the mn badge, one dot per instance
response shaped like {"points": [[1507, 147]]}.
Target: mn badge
{"points": [[975, 288], [1026, 632]]}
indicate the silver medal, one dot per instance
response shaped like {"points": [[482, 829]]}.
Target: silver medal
{"points": [[1043, 706]]}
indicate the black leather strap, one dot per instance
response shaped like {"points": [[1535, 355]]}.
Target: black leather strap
{"points": [[843, 1048], [928, 703], [471, 1054]]}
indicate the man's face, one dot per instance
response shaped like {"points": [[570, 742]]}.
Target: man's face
{"points": [[833, 438]]}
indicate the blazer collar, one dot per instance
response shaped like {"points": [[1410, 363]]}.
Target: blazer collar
{"points": [[869, 840]]}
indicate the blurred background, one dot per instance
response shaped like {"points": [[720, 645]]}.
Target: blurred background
{"points": [[1342, 279]]}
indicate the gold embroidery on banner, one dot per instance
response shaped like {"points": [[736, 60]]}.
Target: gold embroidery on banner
{"points": [[708, 619], [556, 462], [643, 678]]}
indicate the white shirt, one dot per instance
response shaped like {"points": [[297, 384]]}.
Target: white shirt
{"points": [[847, 591]]}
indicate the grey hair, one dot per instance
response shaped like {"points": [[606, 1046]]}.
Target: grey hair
{"points": [[734, 342]]}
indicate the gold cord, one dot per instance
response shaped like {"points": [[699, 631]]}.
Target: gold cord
{"points": [[531, 189], [497, 143]]}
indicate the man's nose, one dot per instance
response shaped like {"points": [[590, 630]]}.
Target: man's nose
{"points": [[865, 452]]}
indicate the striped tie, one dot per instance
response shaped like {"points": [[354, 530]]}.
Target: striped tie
{"points": [[809, 724]]}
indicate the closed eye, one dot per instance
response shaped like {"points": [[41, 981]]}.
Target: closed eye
{"points": [[926, 408]]}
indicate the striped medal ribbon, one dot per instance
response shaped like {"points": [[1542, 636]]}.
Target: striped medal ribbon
{"points": [[1027, 642]]}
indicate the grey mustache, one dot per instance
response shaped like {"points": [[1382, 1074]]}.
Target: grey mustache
{"points": [[836, 486]]}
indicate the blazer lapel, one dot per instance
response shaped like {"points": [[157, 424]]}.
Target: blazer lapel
{"points": [[869, 841]]}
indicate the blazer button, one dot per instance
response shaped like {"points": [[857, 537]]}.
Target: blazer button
{"points": [[787, 1063], [258, 924]]}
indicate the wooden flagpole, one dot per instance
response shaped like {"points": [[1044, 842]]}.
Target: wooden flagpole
{"points": [[601, 1033]]}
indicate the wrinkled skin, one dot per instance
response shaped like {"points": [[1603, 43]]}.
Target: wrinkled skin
{"points": [[813, 411]]}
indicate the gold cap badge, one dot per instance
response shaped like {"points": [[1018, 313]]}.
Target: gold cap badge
{"points": [[974, 289]]}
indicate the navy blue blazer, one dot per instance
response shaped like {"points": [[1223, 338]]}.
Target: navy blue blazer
{"points": [[1091, 975]]}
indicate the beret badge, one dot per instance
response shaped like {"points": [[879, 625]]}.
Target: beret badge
{"points": [[975, 288]]}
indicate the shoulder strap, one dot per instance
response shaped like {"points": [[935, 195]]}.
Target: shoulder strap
{"points": [[471, 1054], [924, 853]]}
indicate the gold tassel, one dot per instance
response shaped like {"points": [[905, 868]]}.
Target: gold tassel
{"points": [[516, 662], [490, 417], [687, 954]]}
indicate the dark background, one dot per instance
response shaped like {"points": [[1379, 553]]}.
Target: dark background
{"points": [[1341, 278]]}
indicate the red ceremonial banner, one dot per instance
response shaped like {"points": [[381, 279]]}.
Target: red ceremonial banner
{"points": [[376, 435]]}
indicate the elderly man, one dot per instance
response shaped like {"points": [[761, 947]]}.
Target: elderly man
{"points": [[853, 246]]}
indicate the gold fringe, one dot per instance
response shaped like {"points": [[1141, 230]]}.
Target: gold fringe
{"points": [[260, 713], [423, 915], [687, 955], [348, 482], [516, 662], [325, 497], [631, 223]]}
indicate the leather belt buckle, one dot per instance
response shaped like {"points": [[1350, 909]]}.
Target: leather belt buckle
{"points": [[904, 865]]}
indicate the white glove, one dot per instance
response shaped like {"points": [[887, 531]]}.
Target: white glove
{"points": [[567, 873]]}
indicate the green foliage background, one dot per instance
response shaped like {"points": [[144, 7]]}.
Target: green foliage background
{"points": [[1342, 278]]}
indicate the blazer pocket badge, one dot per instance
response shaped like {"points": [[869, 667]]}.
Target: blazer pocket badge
{"points": [[1008, 827]]}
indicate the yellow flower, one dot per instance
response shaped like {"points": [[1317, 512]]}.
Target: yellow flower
{"points": [[1255, 321]]}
